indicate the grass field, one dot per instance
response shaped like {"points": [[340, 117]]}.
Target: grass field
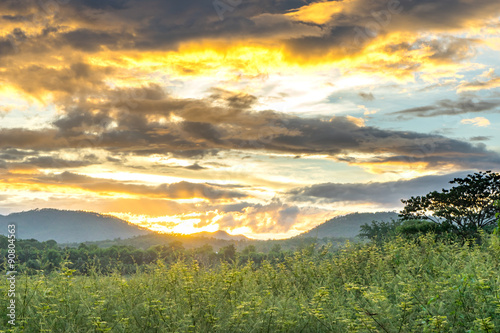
{"points": [[399, 286]]}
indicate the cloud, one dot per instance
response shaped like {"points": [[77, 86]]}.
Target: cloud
{"points": [[50, 162], [180, 190], [274, 217], [93, 63], [194, 166], [239, 100], [492, 81], [360, 122], [478, 121], [156, 123], [388, 194], [480, 138], [125, 36], [366, 96], [4, 110], [449, 107]]}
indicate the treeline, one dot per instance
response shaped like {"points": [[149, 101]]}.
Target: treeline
{"points": [[195, 241], [33, 256]]}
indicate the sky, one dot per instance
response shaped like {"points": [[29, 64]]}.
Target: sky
{"points": [[262, 118]]}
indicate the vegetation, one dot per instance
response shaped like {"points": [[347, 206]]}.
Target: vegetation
{"points": [[34, 256], [417, 275], [397, 286], [466, 207], [194, 241]]}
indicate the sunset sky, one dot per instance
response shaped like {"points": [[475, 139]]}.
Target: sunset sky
{"points": [[262, 118]]}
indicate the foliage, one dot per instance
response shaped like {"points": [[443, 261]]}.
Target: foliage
{"points": [[379, 230], [497, 215], [35, 256], [382, 231], [415, 228], [468, 206], [397, 286]]}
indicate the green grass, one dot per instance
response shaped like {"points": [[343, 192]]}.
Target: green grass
{"points": [[399, 286]]}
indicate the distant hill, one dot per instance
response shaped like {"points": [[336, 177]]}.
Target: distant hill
{"points": [[65, 226], [347, 225], [220, 234], [68, 226], [144, 242]]}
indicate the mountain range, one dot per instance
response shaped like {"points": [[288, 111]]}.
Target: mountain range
{"points": [[65, 226]]}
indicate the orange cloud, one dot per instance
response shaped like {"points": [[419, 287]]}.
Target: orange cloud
{"points": [[318, 12]]}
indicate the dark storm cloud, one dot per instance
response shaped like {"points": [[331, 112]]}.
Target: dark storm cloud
{"points": [[202, 128], [91, 26], [49, 162], [349, 31], [449, 107], [14, 159], [91, 41], [15, 154], [387, 194], [156, 24]]}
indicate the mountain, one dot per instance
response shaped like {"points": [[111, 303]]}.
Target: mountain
{"points": [[347, 225], [68, 226], [220, 234], [65, 226]]}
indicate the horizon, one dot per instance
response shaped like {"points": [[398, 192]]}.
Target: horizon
{"points": [[257, 118], [198, 233]]}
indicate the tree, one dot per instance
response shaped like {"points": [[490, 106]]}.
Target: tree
{"points": [[379, 231], [228, 252], [467, 207]]}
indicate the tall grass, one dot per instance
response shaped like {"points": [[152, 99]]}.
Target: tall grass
{"points": [[398, 286]]}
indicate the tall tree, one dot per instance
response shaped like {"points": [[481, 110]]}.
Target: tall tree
{"points": [[468, 206]]}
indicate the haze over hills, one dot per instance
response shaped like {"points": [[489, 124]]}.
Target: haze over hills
{"points": [[348, 225], [220, 234], [68, 226], [78, 227]]}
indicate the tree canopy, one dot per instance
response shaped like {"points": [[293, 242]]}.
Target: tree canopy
{"points": [[469, 205]]}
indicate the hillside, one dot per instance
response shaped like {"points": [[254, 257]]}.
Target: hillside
{"points": [[73, 227], [220, 234], [347, 225], [146, 241], [68, 226], [216, 240]]}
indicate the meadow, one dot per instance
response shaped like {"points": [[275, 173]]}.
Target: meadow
{"points": [[400, 285]]}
